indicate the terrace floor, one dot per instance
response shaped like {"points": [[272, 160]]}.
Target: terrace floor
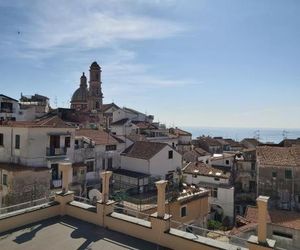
{"points": [[68, 233]]}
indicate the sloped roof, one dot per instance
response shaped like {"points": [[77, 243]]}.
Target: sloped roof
{"points": [[201, 168], [287, 219], [209, 141], [233, 143], [178, 132], [100, 137], [201, 151], [120, 122], [143, 149], [289, 142], [18, 167], [278, 156], [108, 106], [48, 121], [144, 125], [253, 141], [7, 97]]}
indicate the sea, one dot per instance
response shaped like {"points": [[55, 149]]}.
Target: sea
{"points": [[270, 135]]}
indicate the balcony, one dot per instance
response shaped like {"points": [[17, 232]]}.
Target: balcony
{"points": [[7, 110], [56, 152]]}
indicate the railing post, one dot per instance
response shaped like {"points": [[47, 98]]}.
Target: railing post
{"points": [[65, 196], [104, 206], [105, 176], [260, 242], [160, 221], [161, 197], [66, 169]]}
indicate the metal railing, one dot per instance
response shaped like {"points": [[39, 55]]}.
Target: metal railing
{"points": [[24, 205], [56, 151], [212, 234], [83, 200], [131, 212]]}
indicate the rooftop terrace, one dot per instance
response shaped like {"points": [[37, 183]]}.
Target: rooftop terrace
{"points": [[68, 233]]}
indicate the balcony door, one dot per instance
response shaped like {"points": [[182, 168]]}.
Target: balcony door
{"points": [[54, 141]]}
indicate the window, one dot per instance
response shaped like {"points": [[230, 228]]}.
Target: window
{"points": [[217, 179], [4, 179], [215, 193], [110, 147], [74, 172], [253, 166], [227, 162], [103, 164], [183, 211], [17, 141], [90, 166], [171, 154], [288, 174], [67, 141], [1, 139], [274, 174]]}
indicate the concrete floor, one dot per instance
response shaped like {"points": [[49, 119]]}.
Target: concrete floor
{"points": [[68, 233]]}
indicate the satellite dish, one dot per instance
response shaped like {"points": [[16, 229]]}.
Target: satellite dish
{"points": [[95, 195]]}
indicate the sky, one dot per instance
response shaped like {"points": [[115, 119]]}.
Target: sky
{"points": [[217, 63]]}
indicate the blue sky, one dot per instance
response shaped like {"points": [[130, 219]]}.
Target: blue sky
{"points": [[188, 62]]}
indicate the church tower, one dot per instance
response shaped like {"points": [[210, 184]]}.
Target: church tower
{"points": [[95, 99]]}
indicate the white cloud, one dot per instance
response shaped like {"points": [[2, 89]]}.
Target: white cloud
{"points": [[92, 24]]}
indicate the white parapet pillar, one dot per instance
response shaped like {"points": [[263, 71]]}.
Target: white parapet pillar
{"points": [[161, 197], [262, 203], [66, 169], [105, 176]]}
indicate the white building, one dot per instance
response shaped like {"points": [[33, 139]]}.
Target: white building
{"points": [[156, 159], [218, 181], [40, 143], [225, 160], [9, 108], [131, 114], [28, 109]]}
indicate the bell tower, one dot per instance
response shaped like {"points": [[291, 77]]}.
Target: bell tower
{"points": [[95, 99]]}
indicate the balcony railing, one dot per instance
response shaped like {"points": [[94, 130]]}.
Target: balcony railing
{"points": [[6, 110], [56, 151]]}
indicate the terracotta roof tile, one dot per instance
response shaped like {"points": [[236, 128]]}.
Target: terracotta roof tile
{"points": [[287, 219], [18, 167], [51, 121], [98, 136], [278, 156], [143, 149], [201, 168], [120, 122]]}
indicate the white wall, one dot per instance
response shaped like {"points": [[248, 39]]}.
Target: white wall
{"points": [[33, 145], [221, 161], [225, 199], [134, 164], [204, 179], [15, 107], [160, 164]]}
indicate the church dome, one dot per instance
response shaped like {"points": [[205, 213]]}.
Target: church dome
{"points": [[80, 95]]}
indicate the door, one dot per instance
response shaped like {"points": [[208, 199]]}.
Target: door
{"points": [[109, 163]]}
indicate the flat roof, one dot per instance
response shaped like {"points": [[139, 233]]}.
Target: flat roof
{"points": [[68, 233]]}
